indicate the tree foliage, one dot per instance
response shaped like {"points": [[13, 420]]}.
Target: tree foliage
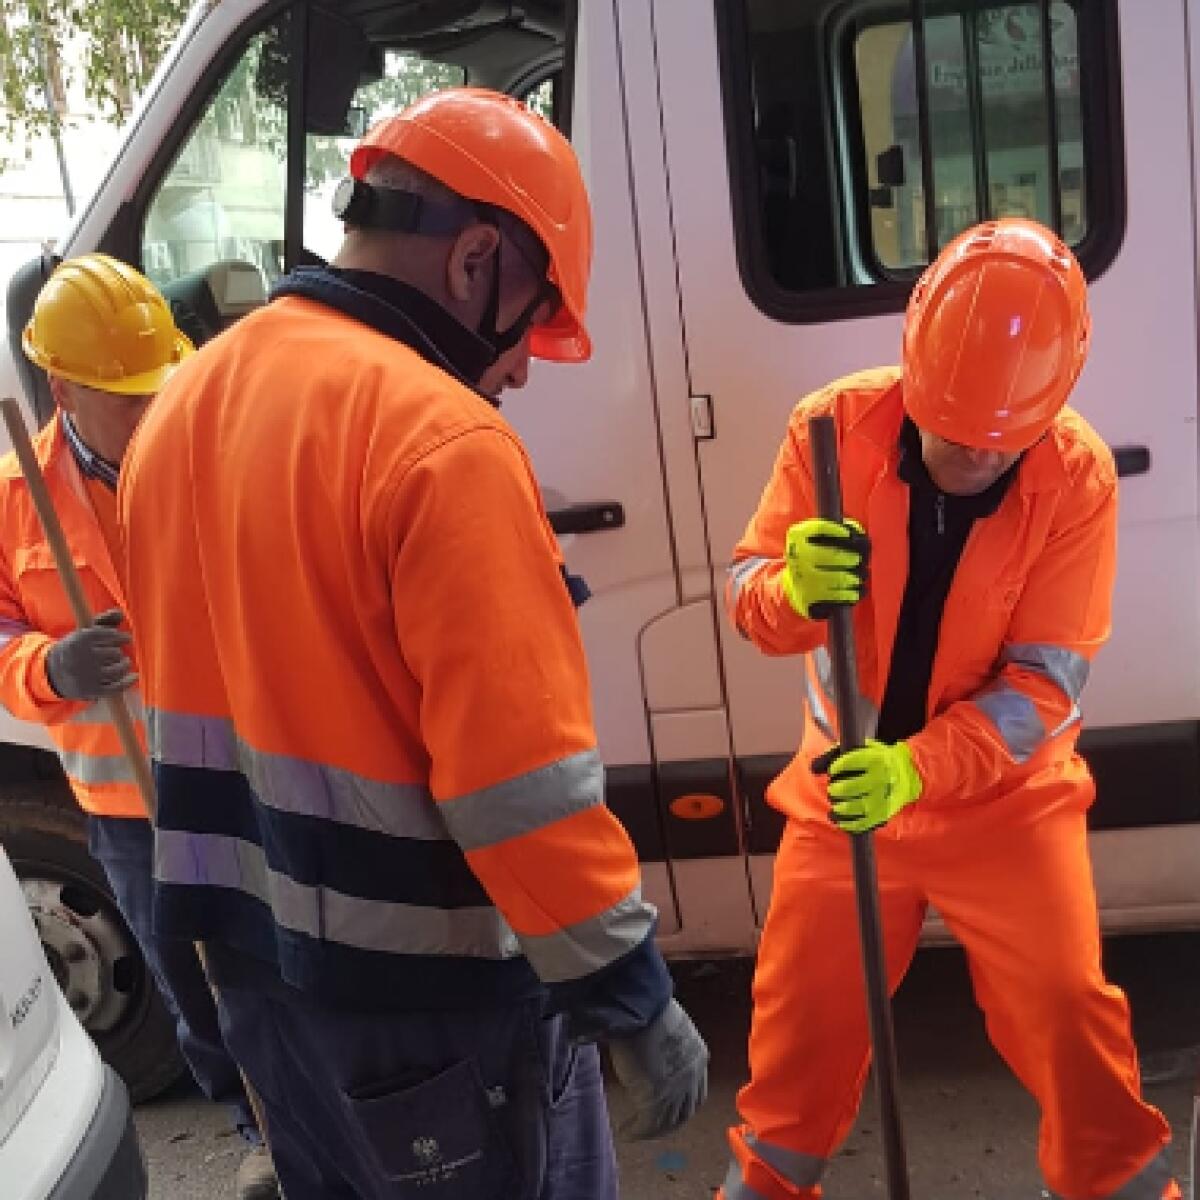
{"points": [[115, 46], [112, 48]]}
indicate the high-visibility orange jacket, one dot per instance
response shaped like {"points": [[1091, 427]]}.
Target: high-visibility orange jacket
{"points": [[366, 692], [1027, 611], [35, 613]]}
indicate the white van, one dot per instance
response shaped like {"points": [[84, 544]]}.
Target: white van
{"points": [[66, 1129], [768, 177]]}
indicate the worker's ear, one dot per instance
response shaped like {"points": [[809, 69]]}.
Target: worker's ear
{"points": [[470, 263], [63, 393]]}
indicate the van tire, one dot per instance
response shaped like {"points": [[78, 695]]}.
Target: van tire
{"points": [[45, 836]]}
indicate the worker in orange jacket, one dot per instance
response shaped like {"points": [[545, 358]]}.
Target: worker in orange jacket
{"points": [[989, 509], [380, 800], [107, 341]]}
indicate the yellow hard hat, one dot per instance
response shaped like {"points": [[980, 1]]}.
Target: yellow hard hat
{"points": [[100, 323]]}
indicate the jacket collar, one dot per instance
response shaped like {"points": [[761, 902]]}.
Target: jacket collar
{"points": [[397, 311]]}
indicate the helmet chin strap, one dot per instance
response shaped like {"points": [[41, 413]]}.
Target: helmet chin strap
{"points": [[502, 341]]}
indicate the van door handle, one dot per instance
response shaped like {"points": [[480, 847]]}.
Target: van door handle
{"points": [[590, 516], [1131, 460]]}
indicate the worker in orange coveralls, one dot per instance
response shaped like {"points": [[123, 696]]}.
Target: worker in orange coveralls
{"points": [[989, 509]]}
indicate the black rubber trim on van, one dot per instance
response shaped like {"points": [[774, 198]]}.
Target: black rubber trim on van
{"points": [[698, 828], [1103, 125], [1146, 776], [630, 793], [660, 831], [24, 286], [108, 1165]]}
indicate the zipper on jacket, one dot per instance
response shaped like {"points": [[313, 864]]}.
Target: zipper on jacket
{"points": [[941, 515]]}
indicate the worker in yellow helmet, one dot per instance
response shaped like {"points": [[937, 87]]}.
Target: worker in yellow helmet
{"points": [[107, 341]]}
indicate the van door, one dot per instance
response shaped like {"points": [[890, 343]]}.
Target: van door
{"points": [[818, 154]]}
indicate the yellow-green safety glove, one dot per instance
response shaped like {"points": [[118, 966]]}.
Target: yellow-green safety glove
{"points": [[868, 787], [826, 566]]}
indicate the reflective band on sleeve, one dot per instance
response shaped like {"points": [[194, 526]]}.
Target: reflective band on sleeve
{"points": [[96, 768], [591, 945], [10, 630], [738, 574], [822, 672], [1067, 670], [816, 707], [1015, 717], [525, 803], [97, 712]]}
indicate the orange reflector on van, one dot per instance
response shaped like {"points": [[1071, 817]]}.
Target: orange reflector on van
{"points": [[697, 806]]}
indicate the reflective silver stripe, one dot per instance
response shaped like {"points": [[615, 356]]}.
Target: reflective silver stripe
{"points": [[10, 630], [738, 574], [526, 803], [295, 785], [591, 945], [735, 1186], [96, 768], [215, 860], [1015, 717], [1150, 1183], [868, 714], [816, 707], [804, 1170], [799, 1169], [96, 713], [1067, 670], [1067, 721]]}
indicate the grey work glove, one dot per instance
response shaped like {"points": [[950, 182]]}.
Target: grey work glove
{"points": [[91, 663], [664, 1068]]}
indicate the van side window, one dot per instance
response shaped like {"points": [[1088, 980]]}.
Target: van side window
{"points": [[863, 137], [398, 79], [223, 198], [543, 98]]}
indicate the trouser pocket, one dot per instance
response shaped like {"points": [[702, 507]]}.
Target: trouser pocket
{"points": [[436, 1139]]}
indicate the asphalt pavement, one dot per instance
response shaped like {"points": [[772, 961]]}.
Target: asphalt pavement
{"points": [[971, 1130]]}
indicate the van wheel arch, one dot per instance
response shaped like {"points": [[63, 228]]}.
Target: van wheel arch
{"points": [[90, 948]]}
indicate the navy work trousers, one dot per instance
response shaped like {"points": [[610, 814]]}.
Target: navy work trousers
{"points": [[490, 1104], [124, 848]]}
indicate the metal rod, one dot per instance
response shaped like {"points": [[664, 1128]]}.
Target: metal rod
{"points": [[976, 120], [925, 129], [1051, 87], [118, 710], [823, 435]]}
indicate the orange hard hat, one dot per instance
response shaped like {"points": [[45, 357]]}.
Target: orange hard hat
{"points": [[493, 149], [995, 336]]}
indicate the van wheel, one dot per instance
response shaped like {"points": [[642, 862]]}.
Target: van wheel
{"points": [[92, 953]]}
